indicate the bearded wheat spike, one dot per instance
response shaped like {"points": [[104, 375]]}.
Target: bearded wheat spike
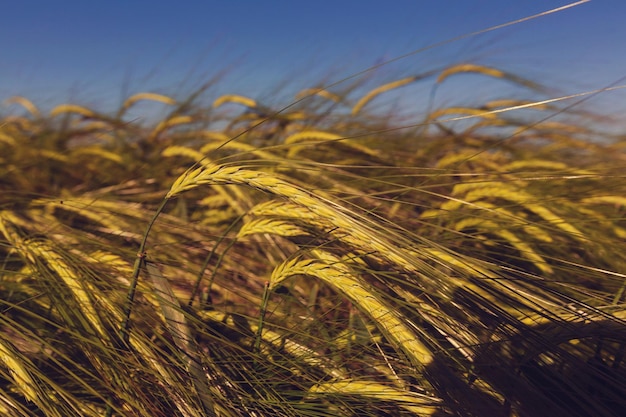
{"points": [[98, 151], [71, 108], [511, 218], [555, 220], [452, 159], [418, 404], [233, 98], [311, 135], [185, 182], [525, 250], [274, 226], [36, 250], [147, 96], [335, 273], [606, 199], [493, 228], [465, 68], [282, 209], [88, 209], [474, 192], [183, 151], [30, 386], [465, 187], [214, 201], [484, 70], [69, 277], [358, 231], [322, 137], [536, 164], [14, 362], [26, 103], [106, 258]]}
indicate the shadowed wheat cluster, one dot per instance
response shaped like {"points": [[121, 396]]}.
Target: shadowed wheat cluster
{"points": [[317, 260]]}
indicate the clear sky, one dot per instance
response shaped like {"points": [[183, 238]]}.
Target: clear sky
{"points": [[97, 52]]}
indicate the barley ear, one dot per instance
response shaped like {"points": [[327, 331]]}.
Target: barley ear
{"points": [[418, 404], [232, 98], [331, 270], [26, 103], [147, 96], [71, 108]]}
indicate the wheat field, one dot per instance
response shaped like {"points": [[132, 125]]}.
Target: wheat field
{"points": [[314, 260]]}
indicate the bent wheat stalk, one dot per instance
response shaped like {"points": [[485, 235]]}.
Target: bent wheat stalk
{"points": [[181, 333]]}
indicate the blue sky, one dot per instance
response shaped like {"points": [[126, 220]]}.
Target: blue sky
{"points": [[97, 52]]}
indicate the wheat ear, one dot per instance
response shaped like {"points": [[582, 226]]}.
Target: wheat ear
{"points": [[334, 272]]}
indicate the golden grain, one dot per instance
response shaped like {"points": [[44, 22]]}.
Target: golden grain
{"points": [[334, 272], [311, 135], [147, 96], [26, 103], [72, 281], [182, 151], [99, 152], [616, 200], [418, 404], [233, 98], [273, 226], [465, 68], [17, 366], [72, 108]]}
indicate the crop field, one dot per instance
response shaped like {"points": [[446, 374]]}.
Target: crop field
{"points": [[320, 259]]}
